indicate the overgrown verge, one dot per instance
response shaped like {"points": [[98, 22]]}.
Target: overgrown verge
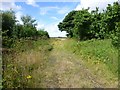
{"points": [[24, 64], [96, 51]]}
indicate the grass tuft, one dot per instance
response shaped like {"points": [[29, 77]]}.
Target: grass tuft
{"points": [[96, 50], [21, 64]]}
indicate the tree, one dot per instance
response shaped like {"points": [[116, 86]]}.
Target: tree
{"points": [[28, 21], [67, 24], [116, 36], [112, 16], [82, 22], [42, 34], [95, 24], [8, 28], [8, 23], [29, 26], [96, 27], [12, 31]]}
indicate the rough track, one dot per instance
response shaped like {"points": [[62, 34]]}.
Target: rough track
{"points": [[66, 70]]}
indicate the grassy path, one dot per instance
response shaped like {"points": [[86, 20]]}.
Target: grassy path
{"points": [[65, 69], [54, 64]]}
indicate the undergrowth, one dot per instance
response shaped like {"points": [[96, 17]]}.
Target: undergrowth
{"points": [[98, 51], [23, 65]]}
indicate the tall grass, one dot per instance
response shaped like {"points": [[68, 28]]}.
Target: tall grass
{"points": [[98, 51], [24, 64]]}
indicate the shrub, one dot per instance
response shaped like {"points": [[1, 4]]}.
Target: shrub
{"points": [[116, 36]]}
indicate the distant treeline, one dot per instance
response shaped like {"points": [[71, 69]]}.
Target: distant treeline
{"points": [[85, 25], [12, 30]]}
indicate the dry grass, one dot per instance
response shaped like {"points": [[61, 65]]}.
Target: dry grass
{"points": [[25, 69], [62, 67]]}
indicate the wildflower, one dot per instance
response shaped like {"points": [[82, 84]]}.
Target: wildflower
{"points": [[29, 77]]}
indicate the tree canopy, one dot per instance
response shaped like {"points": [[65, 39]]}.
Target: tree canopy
{"points": [[85, 25], [13, 30]]}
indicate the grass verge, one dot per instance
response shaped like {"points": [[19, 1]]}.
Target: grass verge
{"points": [[99, 55], [24, 64]]}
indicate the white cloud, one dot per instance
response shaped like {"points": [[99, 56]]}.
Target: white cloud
{"points": [[10, 5], [40, 25], [55, 18], [32, 3], [44, 10], [59, 10], [53, 30], [102, 4], [18, 16], [78, 7], [13, 6], [63, 10]]}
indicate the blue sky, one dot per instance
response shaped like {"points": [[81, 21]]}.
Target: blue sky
{"points": [[49, 14]]}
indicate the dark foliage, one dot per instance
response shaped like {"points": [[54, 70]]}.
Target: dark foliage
{"points": [[12, 30], [85, 25]]}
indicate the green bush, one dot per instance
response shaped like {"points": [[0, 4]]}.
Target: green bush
{"points": [[85, 25], [116, 36], [11, 32]]}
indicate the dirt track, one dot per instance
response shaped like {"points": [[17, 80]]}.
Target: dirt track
{"points": [[65, 70]]}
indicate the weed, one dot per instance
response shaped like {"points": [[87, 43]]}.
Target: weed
{"points": [[97, 50], [20, 65]]}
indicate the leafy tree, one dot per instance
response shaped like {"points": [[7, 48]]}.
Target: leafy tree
{"points": [[28, 26], [67, 24], [112, 16], [8, 23], [19, 31], [116, 36], [28, 21], [95, 24], [82, 23], [42, 34], [12, 31], [8, 28]]}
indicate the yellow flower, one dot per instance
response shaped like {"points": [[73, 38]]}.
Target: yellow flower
{"points": [[29, 77]]}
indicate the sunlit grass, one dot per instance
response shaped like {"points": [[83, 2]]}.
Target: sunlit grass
{"points": [[98, 55], [33, 65], [101, 50]]}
